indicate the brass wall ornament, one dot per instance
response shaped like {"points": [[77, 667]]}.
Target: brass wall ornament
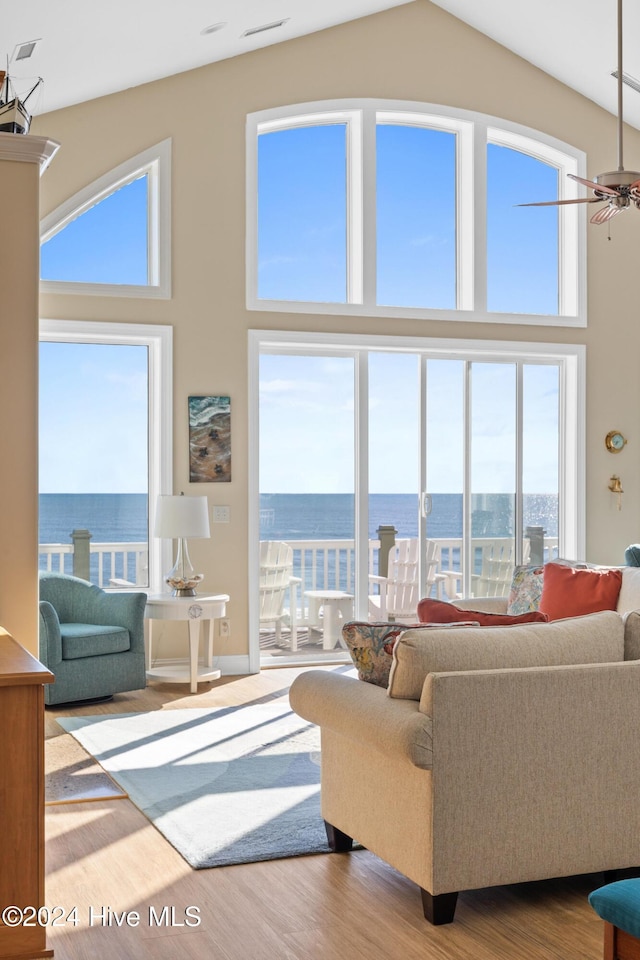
{"points": [[615, 485], [614, 441]]}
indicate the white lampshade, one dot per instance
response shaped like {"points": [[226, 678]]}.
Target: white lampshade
{"points": [[182, 517]]}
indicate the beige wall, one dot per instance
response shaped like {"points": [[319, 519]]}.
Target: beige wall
{"points": [[413, 52], [18, 400]]}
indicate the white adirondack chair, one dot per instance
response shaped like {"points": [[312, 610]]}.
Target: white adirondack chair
{"points": [[400, 590], [498, 562], [277, 585]]}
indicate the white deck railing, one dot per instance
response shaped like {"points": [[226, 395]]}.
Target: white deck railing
{"points": [[330, 564], [320, 564], [110, 564]]}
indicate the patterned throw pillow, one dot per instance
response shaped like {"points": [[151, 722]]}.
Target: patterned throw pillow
{"points": [[371, 647], [526, 589]]}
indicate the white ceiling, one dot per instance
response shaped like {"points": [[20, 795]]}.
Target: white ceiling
{"points": [[89, 48]]}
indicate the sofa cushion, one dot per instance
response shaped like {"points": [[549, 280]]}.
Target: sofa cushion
{"points": [[370, 646], [595, 639], [573, 592], [629, 598], [91, 640], [526, 589], [439, 611]]}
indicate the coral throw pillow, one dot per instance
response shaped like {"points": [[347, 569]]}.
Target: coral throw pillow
{"points": [[438, 611], [571, 592]]}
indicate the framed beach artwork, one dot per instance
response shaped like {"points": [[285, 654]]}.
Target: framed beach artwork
{"points": [[209, 439]]}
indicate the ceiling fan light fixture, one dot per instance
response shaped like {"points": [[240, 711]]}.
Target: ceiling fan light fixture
{"points": [[618, 189]]}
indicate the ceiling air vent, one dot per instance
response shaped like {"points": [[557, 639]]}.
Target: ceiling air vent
{"points": [[629, 80], [265, 26], [24, 50]]}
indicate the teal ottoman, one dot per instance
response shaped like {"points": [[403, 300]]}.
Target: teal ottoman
{"points": [[619, 906]]}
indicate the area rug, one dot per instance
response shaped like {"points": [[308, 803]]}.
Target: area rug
{"points": [[72, 776], [234, 785]]}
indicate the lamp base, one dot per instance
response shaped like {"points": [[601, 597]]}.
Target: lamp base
{"points": [[182, 587], [182, 578]]}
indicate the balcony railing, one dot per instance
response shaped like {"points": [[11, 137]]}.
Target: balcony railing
{"points": [[105, 564], [330, 565], [320, 564]]}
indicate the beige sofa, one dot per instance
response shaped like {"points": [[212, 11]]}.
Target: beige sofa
{"points": [[487, 766]]}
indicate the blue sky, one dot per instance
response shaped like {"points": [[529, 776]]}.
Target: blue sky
{"points": [[93, 418], [307, 426], [106, 244], [93, 397]]}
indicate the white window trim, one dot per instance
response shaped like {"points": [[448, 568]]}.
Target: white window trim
{"points": [[159, 341], [473, 130], [156, 164], [571, 359]]}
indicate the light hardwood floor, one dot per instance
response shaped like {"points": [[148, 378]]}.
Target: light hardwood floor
{"points": [[106, 854]]}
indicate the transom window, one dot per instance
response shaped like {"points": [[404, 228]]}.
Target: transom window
{"points": [[405, 209], [113, 237]]}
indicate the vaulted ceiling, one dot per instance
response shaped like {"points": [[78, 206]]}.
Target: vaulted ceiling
{"points": [[87, 49]]}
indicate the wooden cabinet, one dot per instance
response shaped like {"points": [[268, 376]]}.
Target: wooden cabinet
{"points": [[21, 795]]}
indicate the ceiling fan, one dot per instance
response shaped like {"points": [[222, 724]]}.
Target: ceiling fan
{"points": [[619, 188]]}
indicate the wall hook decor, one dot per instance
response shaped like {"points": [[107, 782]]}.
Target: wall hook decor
{"points": [[615, 485]]}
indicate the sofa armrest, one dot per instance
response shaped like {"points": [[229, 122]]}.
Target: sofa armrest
{"points": [[483, 604], [363, 712], [537, 771], [49, 639]]}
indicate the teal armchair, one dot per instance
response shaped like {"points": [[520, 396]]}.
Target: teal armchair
{"points": [[92, 641]]}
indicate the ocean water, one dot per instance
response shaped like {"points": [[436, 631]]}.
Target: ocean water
{"points": [[301, 516], [110, 517], [121, 518]]}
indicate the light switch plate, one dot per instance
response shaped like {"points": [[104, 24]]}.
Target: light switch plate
{"points": [[221, 514]]}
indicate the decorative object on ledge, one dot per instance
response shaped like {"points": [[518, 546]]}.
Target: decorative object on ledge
{"points": [[178, 518], [614, 441], [209, 439], [615, 486], [14, 116]]}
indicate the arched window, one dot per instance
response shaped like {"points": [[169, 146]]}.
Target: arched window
{"points": [[406, 209], [113, 237]]}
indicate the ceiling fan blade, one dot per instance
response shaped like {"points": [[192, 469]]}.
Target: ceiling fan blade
{"points": [[557, 203], [594, 185], [605, 213], [634, 190]]}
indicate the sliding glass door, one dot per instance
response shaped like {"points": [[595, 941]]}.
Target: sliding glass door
{"points": [[435, 466]]}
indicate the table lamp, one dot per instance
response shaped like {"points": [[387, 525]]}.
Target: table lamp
{"points": [[178, 518]]}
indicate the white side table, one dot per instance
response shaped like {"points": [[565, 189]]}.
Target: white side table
{"points": [[336, 605], [162, 606]]}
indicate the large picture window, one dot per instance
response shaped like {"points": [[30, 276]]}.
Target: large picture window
{"points": [[403, 209], [104, 449]]}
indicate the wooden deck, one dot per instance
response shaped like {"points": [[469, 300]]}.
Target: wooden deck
{"points": [[325, 907]]}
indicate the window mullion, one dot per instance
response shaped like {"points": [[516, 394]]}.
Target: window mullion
{"points": [[479, 229], [518, 531], [369, 243], [356, 233]]}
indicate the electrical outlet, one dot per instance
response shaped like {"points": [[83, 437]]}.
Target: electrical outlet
{"points": [[221, 514], [224, 627]]}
